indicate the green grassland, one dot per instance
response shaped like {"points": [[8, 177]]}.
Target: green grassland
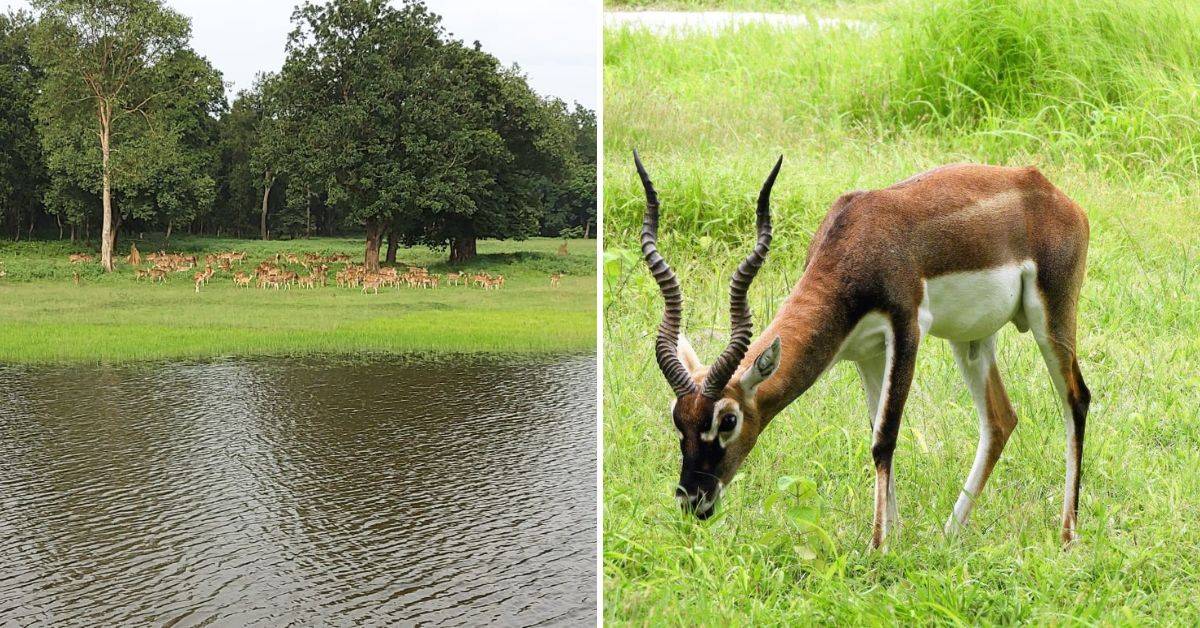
{"points": [[46, 317], [1102, 96]]}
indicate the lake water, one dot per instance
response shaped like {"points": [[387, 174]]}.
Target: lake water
{"points": [[331, 491]]}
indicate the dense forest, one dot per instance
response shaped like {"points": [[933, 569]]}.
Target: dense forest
{"points": [[379, 124]]}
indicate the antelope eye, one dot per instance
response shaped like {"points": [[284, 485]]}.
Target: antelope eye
{"points": [[728, 422]]}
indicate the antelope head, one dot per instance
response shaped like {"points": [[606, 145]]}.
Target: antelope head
{"points": [[714, 414]]}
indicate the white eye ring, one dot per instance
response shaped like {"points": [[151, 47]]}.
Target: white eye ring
{"points": [[722, 408]]}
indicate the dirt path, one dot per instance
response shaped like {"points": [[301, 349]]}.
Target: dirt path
{"points": [[685, 22]]}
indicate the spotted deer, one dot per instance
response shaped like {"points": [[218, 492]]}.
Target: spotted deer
{"points": [[555, 279], [202, 277], [957, 253], [372, 282]]}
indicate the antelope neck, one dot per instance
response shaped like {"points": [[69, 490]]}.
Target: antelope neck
{"points": [[811, 326]]}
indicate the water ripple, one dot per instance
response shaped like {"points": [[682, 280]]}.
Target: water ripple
{"points": [[268, 492]]}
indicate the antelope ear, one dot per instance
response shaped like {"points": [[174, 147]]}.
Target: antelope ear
{"points": [[763, 367], [687, 355]]}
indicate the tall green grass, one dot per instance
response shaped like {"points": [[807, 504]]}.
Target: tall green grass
{"points": [[45, 317], [1110, 84], [788, 546], [1115, 83]]}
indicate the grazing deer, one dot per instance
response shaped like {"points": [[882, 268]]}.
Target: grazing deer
{"points": [[453, 279], [202, 277], [241, 279], [158, 275], [957, 253], [562, 249], [555, 279], [371, 282], [79, 258], [75, 276], [307, 281], [140, 273], [320, 273]]}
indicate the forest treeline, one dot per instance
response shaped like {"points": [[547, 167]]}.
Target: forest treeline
{"points": [[379, 123]]}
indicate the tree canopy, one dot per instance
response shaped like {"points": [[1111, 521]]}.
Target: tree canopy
{"points": [[22, 165], [123, 112]]}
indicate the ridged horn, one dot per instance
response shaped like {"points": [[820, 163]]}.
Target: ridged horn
{"points": [[739, 309], [665, 347]]}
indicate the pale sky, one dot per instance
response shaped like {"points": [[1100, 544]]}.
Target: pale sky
{"points": [[556, 42]]}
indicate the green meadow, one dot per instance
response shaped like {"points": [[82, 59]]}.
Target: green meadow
{"points": [[1104, 97], [46, 316]]}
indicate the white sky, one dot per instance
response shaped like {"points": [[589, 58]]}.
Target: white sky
{"points": [[556, 42]]}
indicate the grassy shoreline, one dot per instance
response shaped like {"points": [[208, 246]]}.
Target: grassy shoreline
{"points": [[45, 318]]}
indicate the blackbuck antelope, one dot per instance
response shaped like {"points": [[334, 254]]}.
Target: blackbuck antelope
{"points": [[957, 253]]}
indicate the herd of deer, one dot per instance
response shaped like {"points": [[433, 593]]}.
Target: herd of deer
{"points": [[415, 277], [272, 272]]}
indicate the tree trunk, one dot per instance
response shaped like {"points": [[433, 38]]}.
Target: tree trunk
{"points": [[108, 233], [374, 235], [587, 228], [268, 181], [170, 223], [462, 248], [307, 212], [58, 219], [393, 244]]}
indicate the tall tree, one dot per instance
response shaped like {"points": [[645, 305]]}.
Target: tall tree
{"points": [[237, 180], [250, 146], [174, 181], [22, 167], [356, 95], [99, 58], [504, 142]]}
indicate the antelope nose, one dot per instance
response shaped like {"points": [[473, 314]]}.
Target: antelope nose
{"points": [[686, 500]]}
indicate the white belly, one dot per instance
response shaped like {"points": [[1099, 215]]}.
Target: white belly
{"points": [[973, 305], [961, 307]]}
